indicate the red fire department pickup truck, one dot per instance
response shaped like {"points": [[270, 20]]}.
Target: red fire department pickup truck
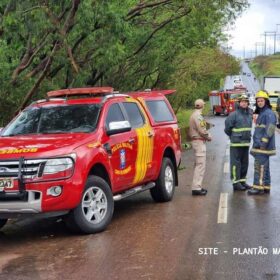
{"points": [[79, 150]]}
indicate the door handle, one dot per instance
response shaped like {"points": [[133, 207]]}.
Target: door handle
{"points": [[107, 148], [150, 134], [131, 140]]}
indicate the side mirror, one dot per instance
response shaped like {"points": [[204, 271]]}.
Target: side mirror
{"points": [[118, 127]]}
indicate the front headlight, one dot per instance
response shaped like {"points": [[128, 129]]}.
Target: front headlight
{"points": [[48, 169], [57, 165], [57, 169]]}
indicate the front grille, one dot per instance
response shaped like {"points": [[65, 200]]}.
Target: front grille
{"points": [[29, 170]]}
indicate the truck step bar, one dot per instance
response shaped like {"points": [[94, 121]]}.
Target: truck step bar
{"points": [[133, 191]]}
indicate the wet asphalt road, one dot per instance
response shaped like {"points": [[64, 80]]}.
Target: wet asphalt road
{"points": [[159, 241]]}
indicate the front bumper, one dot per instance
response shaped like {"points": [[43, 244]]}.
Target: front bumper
{"points": [[32, 203]]}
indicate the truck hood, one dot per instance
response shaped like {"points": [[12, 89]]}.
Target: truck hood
{"points": [[41, 145]]}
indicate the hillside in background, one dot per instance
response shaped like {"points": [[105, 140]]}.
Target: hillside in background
{"points": [[266, 65]]}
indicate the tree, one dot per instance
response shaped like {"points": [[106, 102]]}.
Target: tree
{"points": [[129, 44]]}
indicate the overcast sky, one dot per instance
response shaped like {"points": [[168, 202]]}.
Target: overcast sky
{"points": [[261, 16]]}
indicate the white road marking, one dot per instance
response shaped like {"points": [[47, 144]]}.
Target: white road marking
{"points": [[222, 212], [226, 167], [227, 152]]}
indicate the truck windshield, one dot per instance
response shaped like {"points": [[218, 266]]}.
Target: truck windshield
{"points": [[273, 99], [55, 119], [235, 95]]}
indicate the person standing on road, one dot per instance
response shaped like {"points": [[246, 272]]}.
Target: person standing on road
{"points": [[238, 126], [199, 135], [263, 144]]}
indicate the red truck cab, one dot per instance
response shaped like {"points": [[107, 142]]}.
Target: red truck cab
{"points": [[223, 102], [79, 150]]}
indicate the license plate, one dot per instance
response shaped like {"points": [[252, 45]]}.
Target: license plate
{"points": [[6, 183]]}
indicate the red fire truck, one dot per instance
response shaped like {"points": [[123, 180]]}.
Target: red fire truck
{"points": [[223, 102]]}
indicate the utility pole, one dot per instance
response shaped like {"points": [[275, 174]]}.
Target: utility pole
{"points": [[252, 53], [269, 33], [259, 44], [277, 38]]}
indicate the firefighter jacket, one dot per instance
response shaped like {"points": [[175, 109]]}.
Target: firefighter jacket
{"points": [[264, 135], [197, 128], [238, 126]]}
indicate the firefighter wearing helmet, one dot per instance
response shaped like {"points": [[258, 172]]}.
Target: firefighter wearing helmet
{"points": [[238, 126], [199, 135], [263, 144]]}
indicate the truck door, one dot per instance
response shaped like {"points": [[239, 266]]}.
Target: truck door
{"points": [[144, 142], [122, 150]]}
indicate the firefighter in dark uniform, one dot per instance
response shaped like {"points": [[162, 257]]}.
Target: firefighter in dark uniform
{"points": [[263, 144], [238, 126]]}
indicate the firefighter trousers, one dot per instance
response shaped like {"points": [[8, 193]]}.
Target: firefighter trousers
{"points": [[261, 172], [199, 148], [239, 161]]}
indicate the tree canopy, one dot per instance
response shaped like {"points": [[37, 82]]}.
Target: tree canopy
{"points": [[128, 44]]}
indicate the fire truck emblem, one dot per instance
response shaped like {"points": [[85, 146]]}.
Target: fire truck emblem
{"points": [[122, 159]]}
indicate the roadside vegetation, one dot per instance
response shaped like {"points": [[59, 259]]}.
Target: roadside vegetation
{"points": [[183, 117], [129, 44], [266, 65]]}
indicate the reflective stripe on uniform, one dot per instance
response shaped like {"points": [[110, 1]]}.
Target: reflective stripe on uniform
{"points": [[264, 140], [260, 125], [240, 144], [258, 187], [267, 187], [241, 129], [234, 174], [265, 152], [239, 181], [261, 175]]}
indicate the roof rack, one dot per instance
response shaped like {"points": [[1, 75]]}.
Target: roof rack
{"points": [[80, 91], [149, 91], [112, 95]]}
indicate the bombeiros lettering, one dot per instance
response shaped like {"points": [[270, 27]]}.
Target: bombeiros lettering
{"points": [[18, 151]]}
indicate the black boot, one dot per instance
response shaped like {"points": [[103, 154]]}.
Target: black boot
{"points": [[246, 186], [238, 187], [199, 192], [255, 191]]}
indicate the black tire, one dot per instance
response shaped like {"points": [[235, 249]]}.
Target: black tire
{"points": [[3, 222], [93, 214], [165, 184], [225, 112]]}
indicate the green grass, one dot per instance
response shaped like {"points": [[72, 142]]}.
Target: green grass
{"points": [[266, 65], [183, 117]]}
